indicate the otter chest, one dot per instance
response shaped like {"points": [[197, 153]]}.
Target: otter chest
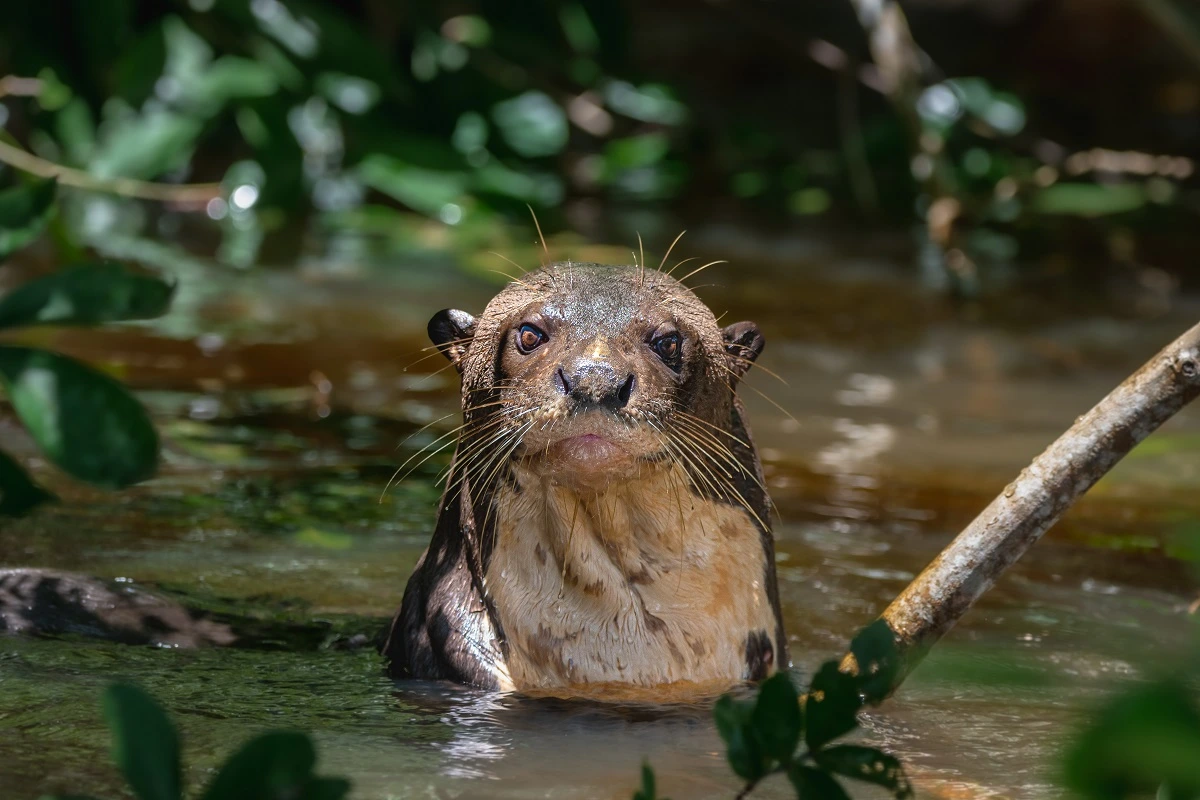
{"points": [[647, 584]]}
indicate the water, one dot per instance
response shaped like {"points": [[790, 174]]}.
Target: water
{"points": [[282, 395]]}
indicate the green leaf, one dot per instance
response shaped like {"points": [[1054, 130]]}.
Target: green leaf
{"points": [[648, 791], [741, 746], [24, 211], [813, 784], [145, 145], [274, 766], [145, 744], [777, 719], [1088, 199], [832, 706], [878, 658], [635, 152], [226, 79], [66, 797], [419, 188], [532, 124], [1143, 739], [18, 493], [76, 131], [867, 764], [86, 295], [86, 422]]}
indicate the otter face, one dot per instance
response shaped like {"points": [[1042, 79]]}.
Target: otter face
{"points": [[591, 374]]}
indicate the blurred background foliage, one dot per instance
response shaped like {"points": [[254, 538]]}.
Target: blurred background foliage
{"points": [[1004, 132]]}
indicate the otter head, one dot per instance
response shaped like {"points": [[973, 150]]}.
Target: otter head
{"points": [[590, 374]]}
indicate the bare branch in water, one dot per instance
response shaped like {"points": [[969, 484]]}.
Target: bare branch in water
{"points": [[1028, 506]]}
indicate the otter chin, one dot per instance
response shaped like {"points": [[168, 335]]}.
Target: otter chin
{"points": [[605, 520], [589, 457]]}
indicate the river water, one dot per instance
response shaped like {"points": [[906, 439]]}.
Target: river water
{"points": [[286, 395]]}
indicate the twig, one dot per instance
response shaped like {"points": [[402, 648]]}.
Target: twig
{"points": [[196, 194], [17, 86], [1045, 489], [903, 68]]}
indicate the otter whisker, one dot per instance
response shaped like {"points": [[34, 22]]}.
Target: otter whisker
{"points": [[425, 357], [759, 368], [504, 460], [710, 442], [667, 254], [431, 454], [513, 278], [474, 448], [422, 450], [521, 269], [760, 393], [497, 440], [698, 270], [714, 428], [641, 261], [705, 440], [680, 263], [445, 344], [732, 490], [695, 462], [479, 436], [538, 225], [694, 472], [686, 449]]}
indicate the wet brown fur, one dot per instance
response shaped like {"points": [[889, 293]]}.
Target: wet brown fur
{"points": [[545, 573]]}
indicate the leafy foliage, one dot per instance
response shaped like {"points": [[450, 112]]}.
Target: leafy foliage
{"points": [[277, 765], [86, 295], [145, 745], [24, 211], [84, 421], [467, 112], [87, 423], [762, 734], [1141, 742]]}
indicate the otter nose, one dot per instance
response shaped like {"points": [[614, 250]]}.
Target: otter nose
{"points": [[595, 384]]}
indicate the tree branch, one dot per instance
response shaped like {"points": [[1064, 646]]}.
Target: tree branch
{"points": [[1028, 506], [196, 194]]}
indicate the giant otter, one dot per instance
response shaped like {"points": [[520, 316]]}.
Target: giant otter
{"points": [[605, 519]]}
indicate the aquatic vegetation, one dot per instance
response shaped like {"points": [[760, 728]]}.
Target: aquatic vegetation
{"points": [[82, 419], [762, 734], [277, 765]]}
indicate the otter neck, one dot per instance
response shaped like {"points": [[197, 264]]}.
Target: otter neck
{"points": [[645, 582], [629, 532]]}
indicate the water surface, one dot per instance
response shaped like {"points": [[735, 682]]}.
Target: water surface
{"points": [[287, 398]]}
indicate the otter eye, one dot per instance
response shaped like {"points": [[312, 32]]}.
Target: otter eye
{"points": [[530, 337], [667, 348]]}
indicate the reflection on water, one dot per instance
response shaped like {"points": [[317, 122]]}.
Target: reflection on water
{"points": [[282, 398]]}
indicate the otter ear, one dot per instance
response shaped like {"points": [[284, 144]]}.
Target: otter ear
{"points": [[451, 331], [743, 343]]}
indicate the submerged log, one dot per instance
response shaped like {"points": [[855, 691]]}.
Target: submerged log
{"points": [[1028, 506]]}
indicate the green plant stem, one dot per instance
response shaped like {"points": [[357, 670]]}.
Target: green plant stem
{"points": [[780, 770], [194, 194]]}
